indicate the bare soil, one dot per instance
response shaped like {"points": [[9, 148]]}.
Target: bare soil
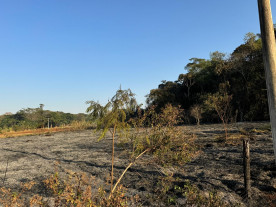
{"points": [[218, 167]]}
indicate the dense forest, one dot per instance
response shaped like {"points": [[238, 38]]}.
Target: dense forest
{"points": [[224, 86]]}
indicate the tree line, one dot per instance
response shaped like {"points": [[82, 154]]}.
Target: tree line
{"points": [[33, 118], [223, 87]]}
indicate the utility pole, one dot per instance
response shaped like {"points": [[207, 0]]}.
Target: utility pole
{"points": [[269, 56]]}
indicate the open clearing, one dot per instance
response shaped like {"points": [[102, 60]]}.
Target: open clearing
{"points": [[218, 166]]}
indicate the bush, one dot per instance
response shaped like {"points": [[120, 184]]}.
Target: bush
{"points": [[77, 189], [162, 137]]}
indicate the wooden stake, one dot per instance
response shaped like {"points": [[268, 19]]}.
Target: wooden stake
{"points": [[246, 169], [112, 162]]}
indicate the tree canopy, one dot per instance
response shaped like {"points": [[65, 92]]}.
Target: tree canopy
{"points": [[243, 70]]}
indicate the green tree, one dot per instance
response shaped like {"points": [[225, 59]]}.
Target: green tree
{"points": [[221, 103], [113, 116], [188, 81], [167, 92], [247, 79]]}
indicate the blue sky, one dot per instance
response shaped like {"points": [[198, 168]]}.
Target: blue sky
{"points": [[64, 52]]}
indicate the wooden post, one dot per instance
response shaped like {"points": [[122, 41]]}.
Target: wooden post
{"points": [[246, 170], [269, 56]]}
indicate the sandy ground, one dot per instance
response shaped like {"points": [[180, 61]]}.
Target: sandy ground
{"points": [[218, 167]]}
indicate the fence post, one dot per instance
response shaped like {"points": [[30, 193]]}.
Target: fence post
{"points": [[246, 170]]}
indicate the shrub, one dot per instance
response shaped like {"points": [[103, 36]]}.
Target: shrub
{"points": [[77, 189], [162, 137]]}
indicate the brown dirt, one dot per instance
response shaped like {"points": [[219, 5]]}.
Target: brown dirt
{"points": [[218, 167]]}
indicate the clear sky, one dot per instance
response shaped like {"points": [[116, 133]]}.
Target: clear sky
{"points": [[62, 53]]}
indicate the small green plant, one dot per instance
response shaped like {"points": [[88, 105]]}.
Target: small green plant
{"points": [[166, 189], [172, 190], [195, 198]]}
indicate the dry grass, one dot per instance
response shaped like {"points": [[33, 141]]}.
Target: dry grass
{"points": [[75, 126], [75, 190], [33, 132], [72, 127]]}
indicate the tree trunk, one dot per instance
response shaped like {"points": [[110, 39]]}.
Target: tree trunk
{"points": [[198, 122], [225, 126], [269, 56]]}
